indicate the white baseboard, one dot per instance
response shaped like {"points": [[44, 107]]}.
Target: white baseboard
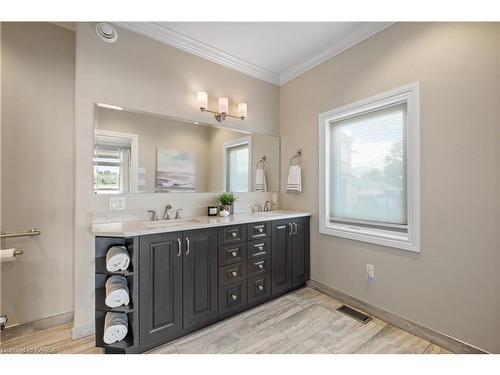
{"points": [[83, 330]]}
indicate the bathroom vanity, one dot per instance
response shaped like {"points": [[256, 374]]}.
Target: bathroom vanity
{"points": [[187, 274]]}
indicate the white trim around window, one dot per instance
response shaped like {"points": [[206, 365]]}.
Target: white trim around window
{"points": [[409, 240]]}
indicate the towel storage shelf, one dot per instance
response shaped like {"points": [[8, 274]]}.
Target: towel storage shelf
{"points": [[101, 305], [102, 244], [100, 267]]}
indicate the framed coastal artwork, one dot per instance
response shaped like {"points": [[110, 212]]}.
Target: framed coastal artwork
{"points": [[175, 171]]}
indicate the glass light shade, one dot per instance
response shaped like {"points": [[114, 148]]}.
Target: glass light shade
{"points": [[242, 110], [223, 105], [202, 99]]}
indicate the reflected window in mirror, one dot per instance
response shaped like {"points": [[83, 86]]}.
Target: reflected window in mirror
{"points": [[237, 165], [115, 155]]}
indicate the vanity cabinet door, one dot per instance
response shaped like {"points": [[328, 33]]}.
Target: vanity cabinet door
{"points": [[199, 277], [160, 289], [281, 257], [300, 251]]}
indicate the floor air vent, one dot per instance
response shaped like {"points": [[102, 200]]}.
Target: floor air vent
{"points": [[355, 314]]}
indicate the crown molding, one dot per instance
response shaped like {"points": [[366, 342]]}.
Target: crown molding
{"points": [[168, 36], [362, 33]]}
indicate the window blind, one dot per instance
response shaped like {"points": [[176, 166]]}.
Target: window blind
{"points": [[368, 168], [237, 168]]}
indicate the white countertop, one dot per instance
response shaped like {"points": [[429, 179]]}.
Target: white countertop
{"points": [[139, 228]]}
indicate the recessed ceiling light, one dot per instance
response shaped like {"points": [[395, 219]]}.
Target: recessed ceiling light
{"points": [[110, 106], [106, 32]]}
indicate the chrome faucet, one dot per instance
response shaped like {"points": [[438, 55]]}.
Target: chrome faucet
{"points": [[269, 206], [178, 214], [154, 216], [257, 208], [166, 214]]}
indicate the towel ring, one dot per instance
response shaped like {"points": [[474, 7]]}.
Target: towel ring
{"points": [[298, 155], [261, 162]]}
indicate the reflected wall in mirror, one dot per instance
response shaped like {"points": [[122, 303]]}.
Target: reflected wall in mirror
{"points": [[136, 152]]}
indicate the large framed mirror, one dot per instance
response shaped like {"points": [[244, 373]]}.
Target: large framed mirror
{"points": [[137, 152]]}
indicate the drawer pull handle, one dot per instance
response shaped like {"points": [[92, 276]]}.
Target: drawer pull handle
{"points": [[261, 230], [261, 248], [233, 297], [234, 273], [233, 234], [261, 287], [261, 266], [234, 253]]}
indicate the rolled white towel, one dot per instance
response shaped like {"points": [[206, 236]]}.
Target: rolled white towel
{"points": [[115, 327], [117, 258], [117, 293]]}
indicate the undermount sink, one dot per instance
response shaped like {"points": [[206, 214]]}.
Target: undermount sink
{"points": [[270, 213], [170, 223]]}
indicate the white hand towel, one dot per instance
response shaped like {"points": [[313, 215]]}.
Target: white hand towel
{"points": [[294, 184], [117, 258], [117, 293], [115, 327], [260, 180]]}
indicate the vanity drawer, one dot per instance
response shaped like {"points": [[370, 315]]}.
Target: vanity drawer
{"points": [[232, 273], [259, 266], [232, 254], [232, 234], [258, 248], [259, 230], [259, 289], [232, 298]]}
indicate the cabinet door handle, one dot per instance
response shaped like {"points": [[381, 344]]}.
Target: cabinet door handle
{"points": [[290, 230], [187, 246], [179, 250], [234, 273], [296, 229]]}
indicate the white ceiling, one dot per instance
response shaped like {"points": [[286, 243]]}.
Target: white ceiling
{"points": [[273, 51]]}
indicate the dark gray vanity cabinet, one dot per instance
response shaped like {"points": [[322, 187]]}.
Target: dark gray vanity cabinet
{"points": [[182, 281], [178, 284], [160, 288], [290, 254], [199, 278]]}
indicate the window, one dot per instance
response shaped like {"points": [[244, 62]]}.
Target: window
{"points": [[369, 163], [237, 165], [115, 160]]}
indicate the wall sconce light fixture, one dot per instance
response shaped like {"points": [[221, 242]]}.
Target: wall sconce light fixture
{"points": [[223, 107]]}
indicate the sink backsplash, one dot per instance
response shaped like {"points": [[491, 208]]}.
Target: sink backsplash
{"points": [[191, 204]]}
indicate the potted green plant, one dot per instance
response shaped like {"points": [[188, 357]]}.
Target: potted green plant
{"points": [[226, 202]]}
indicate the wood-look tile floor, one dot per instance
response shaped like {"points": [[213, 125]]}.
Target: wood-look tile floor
{"points": [[302, 322]]}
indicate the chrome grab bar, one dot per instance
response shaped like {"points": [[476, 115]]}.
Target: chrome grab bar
{"points": [[29, 233]]}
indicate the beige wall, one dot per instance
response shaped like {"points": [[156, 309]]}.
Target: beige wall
{"points": [[453, 285], [37, 162], [139, 73]]}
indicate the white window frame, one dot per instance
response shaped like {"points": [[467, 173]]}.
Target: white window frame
{"points": [[237, 142], [133, 139], [410, 95]]}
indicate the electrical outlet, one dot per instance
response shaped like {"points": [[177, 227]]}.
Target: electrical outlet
{"points": [[116, 203], [370, 272]]}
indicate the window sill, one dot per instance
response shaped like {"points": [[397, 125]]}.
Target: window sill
{"points": [[370, 235]]}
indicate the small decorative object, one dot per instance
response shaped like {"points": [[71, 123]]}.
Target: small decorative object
{"points": [[212, 210], [223, 213], [226, 201]]}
